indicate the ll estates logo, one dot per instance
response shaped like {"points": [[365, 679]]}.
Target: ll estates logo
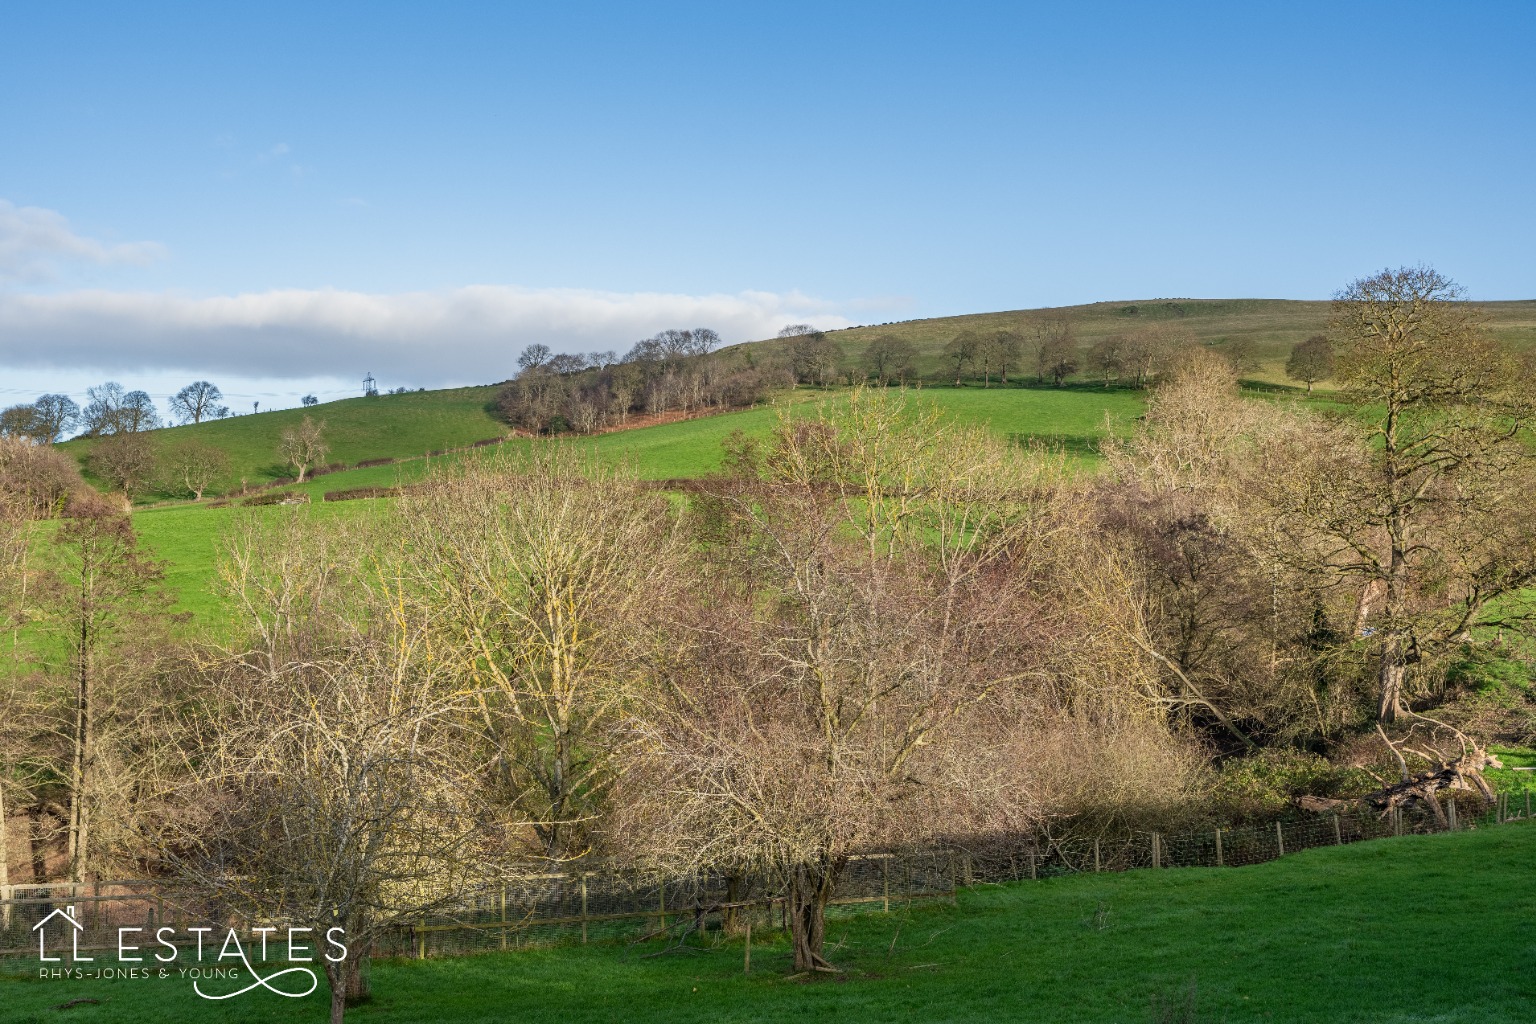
{"points": [[189, 954]]}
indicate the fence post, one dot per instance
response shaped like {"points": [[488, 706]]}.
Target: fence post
{"points": [[1280, 838], [746, 967], [503, 915], [1218, 849], [583, 907], [1397, 821], [1032, 875], [885, 893], [421, 937], [1157, 850], [1527, 803], [1338, 835], [1452, 802], [1097, 867], [661, 896]]}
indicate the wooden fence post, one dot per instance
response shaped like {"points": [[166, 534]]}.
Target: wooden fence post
{"points": [[661, 896], [1218, 849], [1032, 874], [503, 916], [1338, 835], [1527, 803], [1280, 838], [746, 967], [1097, 866], [885, 892], [1157, 850], [1452, 802], [583, 908]]}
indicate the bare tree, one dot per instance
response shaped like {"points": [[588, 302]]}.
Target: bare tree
{"points": [[1311, 361], [1446, 508], [540, 575], [194, 466], [22, 421], [1055, 350], [329, 790], [1107, 358], [860, 614], [813, 356], [37, 478], [536, 354], [1008, 347], [889, 358], [57, 414], [304, 446], [106, 597], [961, 351], [198, 401], [126, 460]]}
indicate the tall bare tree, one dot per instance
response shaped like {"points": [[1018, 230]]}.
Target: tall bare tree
{"points": [[540, 575], [1311, 361], [198, 401], [303, 446], [194, 466], [860, 615], [1446, 507], [330, 787]]}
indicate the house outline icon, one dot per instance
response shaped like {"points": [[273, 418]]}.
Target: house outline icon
{"points": [[67, 916], [42, 936]]}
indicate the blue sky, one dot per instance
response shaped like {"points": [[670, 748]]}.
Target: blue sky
{"points": [[284, 196]]}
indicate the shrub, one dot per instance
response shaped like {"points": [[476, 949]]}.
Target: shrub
{"points": [[375, 462], [353, 493]]}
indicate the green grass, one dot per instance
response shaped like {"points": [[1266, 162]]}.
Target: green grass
{"points": [[1272, 325], [189, 537], [357, 429], [1433, 928]]}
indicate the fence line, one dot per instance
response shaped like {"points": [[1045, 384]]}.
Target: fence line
{"points": [[610, 904]]}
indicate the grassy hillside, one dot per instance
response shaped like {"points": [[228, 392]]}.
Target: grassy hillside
{"points": [[189, 536], [1273, 325], [1434, 928], [356, 429]]}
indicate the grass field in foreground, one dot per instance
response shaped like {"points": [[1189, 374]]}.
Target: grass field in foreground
{"points": [[1432, 928]]}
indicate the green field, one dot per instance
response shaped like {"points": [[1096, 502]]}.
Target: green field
{"points": [[189, 536], [1434, 928], [357, 429], [1272, 325]]}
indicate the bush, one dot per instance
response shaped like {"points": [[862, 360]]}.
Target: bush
{"points": [[278, 498], [1270, 781], [353, 493], [375, 462]]}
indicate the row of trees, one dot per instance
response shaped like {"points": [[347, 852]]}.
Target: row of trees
{"points": [[676, 370], [111, 410]]}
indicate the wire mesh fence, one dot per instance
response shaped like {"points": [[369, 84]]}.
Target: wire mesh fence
{"points": [[611, 904]]}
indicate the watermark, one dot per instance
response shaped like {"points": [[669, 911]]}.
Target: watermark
{"points": [[162, 952]]}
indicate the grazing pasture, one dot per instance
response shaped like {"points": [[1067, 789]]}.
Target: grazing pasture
{"points": [[1320, 935]]}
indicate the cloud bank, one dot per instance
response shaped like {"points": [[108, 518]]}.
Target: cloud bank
{"points": [[462, 335], [34, 242]]}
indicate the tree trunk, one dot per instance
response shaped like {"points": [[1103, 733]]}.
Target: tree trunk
{"points": [[358, 984], [335, 977], [5, 855], [1394, 670], [810, 890], [37, 843], [78, 764]]}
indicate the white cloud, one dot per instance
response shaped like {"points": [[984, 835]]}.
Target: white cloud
{"points": [[34, 242], [462, 335]]}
